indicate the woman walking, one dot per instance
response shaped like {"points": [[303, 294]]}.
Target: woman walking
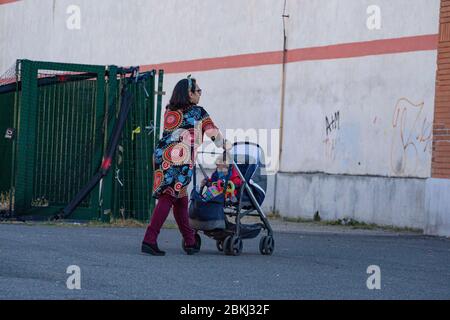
{"points": [[185, 124]]}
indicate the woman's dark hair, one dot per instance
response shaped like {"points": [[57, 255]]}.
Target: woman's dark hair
{"points": [[180, 96]]}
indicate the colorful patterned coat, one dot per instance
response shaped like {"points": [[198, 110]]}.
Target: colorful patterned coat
{"points": [[175, 152]]}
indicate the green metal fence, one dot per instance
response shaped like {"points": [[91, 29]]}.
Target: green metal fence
{"points": [[63, 115], [6, 119], [133, 165]]}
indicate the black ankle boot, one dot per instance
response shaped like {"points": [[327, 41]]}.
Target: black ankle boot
{"points": [[152, 249], [190, 250]]}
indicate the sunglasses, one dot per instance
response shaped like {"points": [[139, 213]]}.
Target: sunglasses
{"points": [[199, 91]]}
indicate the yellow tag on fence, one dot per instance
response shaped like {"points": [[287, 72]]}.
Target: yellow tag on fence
{"points": [[135, 131]]}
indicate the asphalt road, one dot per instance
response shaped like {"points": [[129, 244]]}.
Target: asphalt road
{"points": [[305, 265]]}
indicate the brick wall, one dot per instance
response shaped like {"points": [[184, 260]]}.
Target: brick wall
{"points": [[440, 166]]}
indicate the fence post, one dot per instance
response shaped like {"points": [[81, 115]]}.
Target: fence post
{"points": [[26, 136], [107, 203]]}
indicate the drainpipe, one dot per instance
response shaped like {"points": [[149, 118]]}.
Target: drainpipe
{"points": [[283, 93]]}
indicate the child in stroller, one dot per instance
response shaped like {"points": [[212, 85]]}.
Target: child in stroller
{"points": [[216, 183], [210, 215]]}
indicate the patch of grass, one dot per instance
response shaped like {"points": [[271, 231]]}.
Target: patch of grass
{"points": [[274, 215], [317, 217], [345, 222], [403, 229], [128, 223], [51, 223], [114, 223], [354, 224], [297, 220], [118, 223], [170, 225]]}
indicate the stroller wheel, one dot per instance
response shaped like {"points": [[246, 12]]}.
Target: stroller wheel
{"points": [[267, 245], [226, 245], [219, 245], [233, 246]]}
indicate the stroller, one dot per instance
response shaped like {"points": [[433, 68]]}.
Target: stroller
{"points": [[211, 217]]}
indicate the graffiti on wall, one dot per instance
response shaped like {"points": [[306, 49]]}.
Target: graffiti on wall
{"points": [[412, 136], [332, 123], [332, 126]]}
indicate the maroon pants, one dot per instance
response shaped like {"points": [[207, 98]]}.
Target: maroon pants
{"points": [[180, 212]]}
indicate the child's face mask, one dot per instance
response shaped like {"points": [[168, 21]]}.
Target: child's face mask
{"points": [[222, 168]]}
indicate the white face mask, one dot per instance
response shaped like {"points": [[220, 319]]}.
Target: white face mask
{"points": [[222, 169]]}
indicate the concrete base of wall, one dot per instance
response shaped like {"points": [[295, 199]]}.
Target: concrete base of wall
{"points": [[398, 202], [383, 201], [437, 201]]}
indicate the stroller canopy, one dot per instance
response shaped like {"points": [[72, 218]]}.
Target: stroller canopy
{"points": [[250, 160], [248, 153]]}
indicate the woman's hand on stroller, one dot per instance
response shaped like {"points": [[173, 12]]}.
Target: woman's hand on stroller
{"points": [[204, 182], [227, 145]]}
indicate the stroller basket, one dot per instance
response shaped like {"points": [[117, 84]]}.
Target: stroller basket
{"points": [[248, 231]]}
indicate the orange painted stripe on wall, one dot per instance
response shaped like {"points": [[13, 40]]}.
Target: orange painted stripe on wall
{"points": [[7, 1], [230, 62], [366, 48], [337, 51]]}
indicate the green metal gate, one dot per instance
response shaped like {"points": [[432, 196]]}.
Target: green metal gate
{"points": [[133, 172], [63, 115]]}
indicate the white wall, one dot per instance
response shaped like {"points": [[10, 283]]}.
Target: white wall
{"points": [[324, 22], [138, 32], [367, 91]]}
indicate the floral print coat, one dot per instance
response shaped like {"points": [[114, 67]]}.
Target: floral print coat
{"points": [[174, 155]]}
